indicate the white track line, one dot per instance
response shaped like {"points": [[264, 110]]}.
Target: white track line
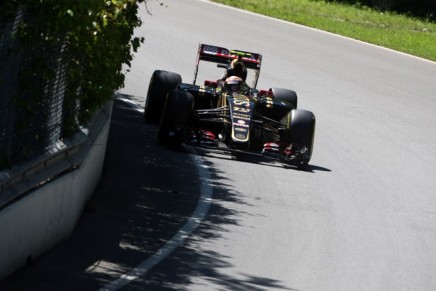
{"points": [[180, 237]]}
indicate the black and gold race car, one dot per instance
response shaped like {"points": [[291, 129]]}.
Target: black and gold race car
{"points": [[229, 114]]}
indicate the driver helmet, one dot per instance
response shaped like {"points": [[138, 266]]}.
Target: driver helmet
{"points": [[234, 84], [237, 68]]}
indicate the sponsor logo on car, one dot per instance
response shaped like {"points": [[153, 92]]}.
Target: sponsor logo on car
{"points": [[240, 125]]}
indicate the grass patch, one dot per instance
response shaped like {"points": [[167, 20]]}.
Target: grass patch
{"points": [[387, 29]]}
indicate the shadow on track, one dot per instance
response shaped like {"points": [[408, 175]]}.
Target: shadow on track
{"points": [[255, 159], [146, 194]]}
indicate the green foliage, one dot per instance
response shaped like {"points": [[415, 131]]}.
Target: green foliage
{"points": [[388, 29], [425, 9], [95, 38]]}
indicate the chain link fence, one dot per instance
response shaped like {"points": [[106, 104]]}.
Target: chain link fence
{"points": [[31, 103]]}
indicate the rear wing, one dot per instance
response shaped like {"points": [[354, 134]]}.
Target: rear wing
{"points": [[220, 55]]}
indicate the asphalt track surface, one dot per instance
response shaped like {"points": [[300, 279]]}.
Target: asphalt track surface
{"points": [[363, 217]]}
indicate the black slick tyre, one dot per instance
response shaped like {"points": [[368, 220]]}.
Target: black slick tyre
{"points": [[286, 95], [300, 129], [161, 83], [176, 115]]}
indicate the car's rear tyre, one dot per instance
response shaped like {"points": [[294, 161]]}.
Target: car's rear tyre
{"points": [[300, 129], [176, 115], [284, 100], [161, 83], [285, 95]]}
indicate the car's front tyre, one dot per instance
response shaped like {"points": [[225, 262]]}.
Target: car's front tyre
{"points": [[176, 115], [300, 131], [161, 83]]}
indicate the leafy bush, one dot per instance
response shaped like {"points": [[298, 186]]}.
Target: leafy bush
{"points": [[60, 60], [425, 9], [94, 38]]}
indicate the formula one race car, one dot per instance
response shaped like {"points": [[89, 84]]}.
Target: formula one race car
{"points": [[226, 113]]}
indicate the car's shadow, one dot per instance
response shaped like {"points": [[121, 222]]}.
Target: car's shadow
{"points": [[243, 157]]}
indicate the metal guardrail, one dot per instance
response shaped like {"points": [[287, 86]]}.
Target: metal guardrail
{"points": [[65, 157]]}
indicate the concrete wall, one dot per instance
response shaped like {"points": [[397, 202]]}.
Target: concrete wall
{"points": [[44, 217]]}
